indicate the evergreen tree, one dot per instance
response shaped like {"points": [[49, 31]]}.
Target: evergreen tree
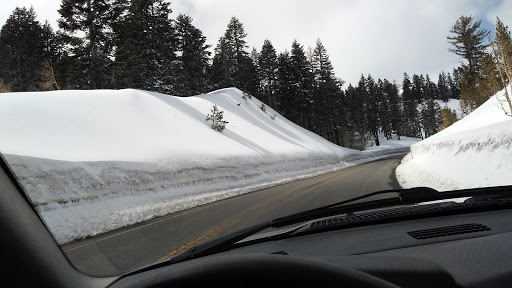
{"points": [[217, 118], [373, 109], [430, 89], [357, 112], [146, 47], [431, 118], [267, 62], [22, 51], [489, 82], [283, 87], [85, 28], [395, 108], [232, 66], [469, 42], [192, 61], [302, 85], [386, 118], [411, 118], [327, 88], [53, 50], [455, 82], [443, 87], [418, 88]]}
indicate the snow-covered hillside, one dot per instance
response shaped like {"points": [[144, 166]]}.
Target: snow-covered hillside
{"points": [[93, 161], [476, 151]]}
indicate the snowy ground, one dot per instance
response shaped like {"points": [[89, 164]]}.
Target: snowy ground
{"points": [[476, 151], [93, 161]]}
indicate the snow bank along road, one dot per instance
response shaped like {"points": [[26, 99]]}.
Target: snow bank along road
{"points": [[163, 237], [97, 160], [473, 152]]}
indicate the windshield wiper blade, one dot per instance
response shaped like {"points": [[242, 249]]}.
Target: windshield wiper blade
{"points": [[405, 197], [226, 242]]}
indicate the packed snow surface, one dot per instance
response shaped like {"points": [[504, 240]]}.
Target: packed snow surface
{"points": [[474, 152], [93, 161]]}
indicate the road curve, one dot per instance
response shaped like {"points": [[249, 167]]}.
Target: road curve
{"points": [[128, 248]]}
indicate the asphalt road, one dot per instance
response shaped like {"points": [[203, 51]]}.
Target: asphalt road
{"points": [[131, 247]]}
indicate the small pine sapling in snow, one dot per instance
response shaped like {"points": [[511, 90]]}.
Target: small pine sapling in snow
{"points": [[217, 118], [246, 96]]}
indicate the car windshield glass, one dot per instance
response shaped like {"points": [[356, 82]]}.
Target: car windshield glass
{"points": [[141, 129]]}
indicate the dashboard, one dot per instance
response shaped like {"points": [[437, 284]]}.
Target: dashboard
{"points": [[471, 249], [465, 250]]}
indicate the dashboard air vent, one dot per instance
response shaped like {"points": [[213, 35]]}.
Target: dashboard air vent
{"points": [[448, 231]]}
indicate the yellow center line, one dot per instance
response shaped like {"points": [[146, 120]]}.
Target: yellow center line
{"points": [[236, 219]]}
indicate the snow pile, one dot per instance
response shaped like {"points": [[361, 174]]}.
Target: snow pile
{"points": [[93, 161], [476, 151]]}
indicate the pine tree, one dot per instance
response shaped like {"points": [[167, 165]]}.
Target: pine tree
{"points": [[217, 118], [357, 107], [327, 90], [454, 82], [373, 107], [469, 42], [418, 88], [192, 59], [395, 108], [431, 118], [489, 82], [301, 85], [284, 88], [431, 90], [443, 87], [53, 53], [385, 117], [267, 62], [410, 112], [146, 47], [232, 66], [91, 54], [22, 51]]}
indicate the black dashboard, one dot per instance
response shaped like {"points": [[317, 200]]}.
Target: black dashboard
{"points": [[465, 250], [468, 249]]}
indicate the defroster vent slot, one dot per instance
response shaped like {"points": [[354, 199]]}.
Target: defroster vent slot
{"points": [[448, 231]]}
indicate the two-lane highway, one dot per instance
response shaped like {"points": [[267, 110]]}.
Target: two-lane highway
{"points": [[131, 247]]}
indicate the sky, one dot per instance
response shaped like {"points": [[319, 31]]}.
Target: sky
{"points": [[381, 38]]}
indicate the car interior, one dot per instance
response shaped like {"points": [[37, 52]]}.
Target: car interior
{"points": [[443, 247]]}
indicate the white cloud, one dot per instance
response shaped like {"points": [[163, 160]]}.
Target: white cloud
{"points": [[383, 38], [503, 11]]}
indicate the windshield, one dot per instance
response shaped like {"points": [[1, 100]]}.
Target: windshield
{"points": [[141, 129]]}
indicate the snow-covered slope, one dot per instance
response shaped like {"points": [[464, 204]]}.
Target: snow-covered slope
{"points": [[476, 151], [132, 125], [93, 161]]}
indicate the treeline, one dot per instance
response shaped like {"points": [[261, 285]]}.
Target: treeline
{"points": [[487, 68], [118, 44]]}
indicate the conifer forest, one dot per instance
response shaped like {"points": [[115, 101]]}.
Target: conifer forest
{"points": [[141, 44]]}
